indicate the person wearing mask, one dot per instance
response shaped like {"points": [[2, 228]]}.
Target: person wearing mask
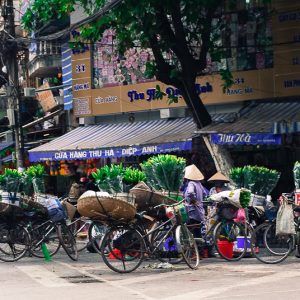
{"points": [[220, 182]]}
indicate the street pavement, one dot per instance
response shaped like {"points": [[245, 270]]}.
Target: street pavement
{"points": [[89, 278]]}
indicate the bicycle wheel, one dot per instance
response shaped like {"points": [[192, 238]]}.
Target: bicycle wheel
{"points": [[96, 233], [67, 241], [80, 230], [187, 246], [126, 249], [14, 242], [269, 248], [43, 232], [167, 250], [232, 240]]}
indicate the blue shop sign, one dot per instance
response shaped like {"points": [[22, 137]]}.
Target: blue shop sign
{"points": [[245, 139], [109, 152]]}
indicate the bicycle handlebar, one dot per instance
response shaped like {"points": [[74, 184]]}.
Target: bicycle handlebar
{"points": [[169, 205]]}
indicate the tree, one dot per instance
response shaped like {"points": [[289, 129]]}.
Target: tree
{"points": [[180, 33]]}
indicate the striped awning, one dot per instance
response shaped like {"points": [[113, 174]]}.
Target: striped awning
{"points": [[116, 140], [276, 117]]}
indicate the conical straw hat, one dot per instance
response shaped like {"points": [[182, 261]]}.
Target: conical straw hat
{"points": [[219, 177], [193, 173]]}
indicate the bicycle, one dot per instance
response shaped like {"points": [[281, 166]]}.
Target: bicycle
{"points": [[14, 241], [225, 231], [270, 248], [53, 235], [129, 244]]}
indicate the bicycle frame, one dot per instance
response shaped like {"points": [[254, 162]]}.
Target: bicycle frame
{"points": [[161, 240], [46, 234]]}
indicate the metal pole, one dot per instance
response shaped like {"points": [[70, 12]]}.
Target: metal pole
{"points": [[13, 90]]}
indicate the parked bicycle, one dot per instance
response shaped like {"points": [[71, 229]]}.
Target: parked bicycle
{"points": [[270, 248], [128, 244]]}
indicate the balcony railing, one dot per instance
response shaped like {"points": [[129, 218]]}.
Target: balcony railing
{"points": [[44, 59], [44, 48]]}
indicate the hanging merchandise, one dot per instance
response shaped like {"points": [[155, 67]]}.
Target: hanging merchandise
{"points": [[285, 219], [296, 172], [62, 168], [53, 169]]}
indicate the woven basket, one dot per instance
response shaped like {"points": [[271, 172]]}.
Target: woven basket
{"points": [[146, 199], [34, 204], [8, 210], [102, 205], [70, 209]]}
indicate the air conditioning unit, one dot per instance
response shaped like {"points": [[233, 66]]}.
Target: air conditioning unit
{"points": [[29, 92], [165, 113]]}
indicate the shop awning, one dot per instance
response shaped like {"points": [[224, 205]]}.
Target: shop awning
{"points": [[259, 123], [117, 140]]}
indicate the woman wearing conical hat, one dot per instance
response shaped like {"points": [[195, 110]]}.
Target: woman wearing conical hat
{"points": [[220, 183], [194, 194]]}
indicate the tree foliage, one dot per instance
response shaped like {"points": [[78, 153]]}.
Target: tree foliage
{"points": [[180, 34]]}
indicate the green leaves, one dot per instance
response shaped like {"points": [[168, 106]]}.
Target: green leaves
{"points": [[111, 179], [35, 171], [164, 172], [42, 11], [133, 176], [227, 78], [259, 180], [245, 197]]}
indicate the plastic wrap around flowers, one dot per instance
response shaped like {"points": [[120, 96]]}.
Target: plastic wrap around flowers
{"points": [[239, 197]]}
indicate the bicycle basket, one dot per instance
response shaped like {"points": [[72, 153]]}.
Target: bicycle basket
{"points": [[227, 211]]}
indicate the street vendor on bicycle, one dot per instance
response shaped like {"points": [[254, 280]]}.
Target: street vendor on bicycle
{"points": [[193, 196], [220, 182]]}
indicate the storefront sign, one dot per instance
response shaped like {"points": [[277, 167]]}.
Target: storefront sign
{"points": [[151, 94], [110, 152], [81, 106], [245, 139], [108, 99], [81, 86], [289, 16], [46, 98]]}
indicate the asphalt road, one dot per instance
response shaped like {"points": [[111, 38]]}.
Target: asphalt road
{"points": [[89, 278]]}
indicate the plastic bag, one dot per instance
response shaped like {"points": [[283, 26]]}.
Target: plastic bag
{"points": [[241, 216], [285, 219]]}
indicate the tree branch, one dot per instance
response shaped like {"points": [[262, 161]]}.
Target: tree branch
{"points": [[205, 37], [169, 36]]}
